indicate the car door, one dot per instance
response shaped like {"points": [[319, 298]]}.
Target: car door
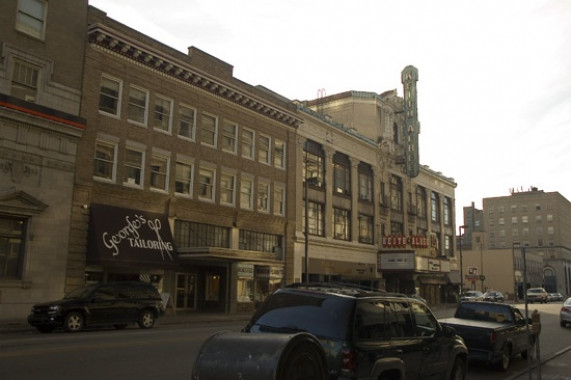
{"points": [[101, 305], [126, 308], [519, 332]]}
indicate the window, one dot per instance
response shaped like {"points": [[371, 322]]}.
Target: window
{"points": [[159, 172], [315, 219], [110, 96], [138, 102], [365, 182], [550, 230], [279, 200], [421, 202], [397, 228], [187, 122], [549, 218], [227, 188], [538, 219], [183, 177], [247, 193], [25, 80], [448, 245], [12, 237], [263, 196], [365, 229], [279, 153], [514, 219], [341, 174], [163, 112], [206, 178], [264, 149], [105, 160], [261, 242], [435, 207], [229, 136], [501, 221], [341, 224], [133, 167], [313, 162], [447, 211], [396, 193], [209, 130], [31, 17], [192, 234], [247, 143], [524, 219]]}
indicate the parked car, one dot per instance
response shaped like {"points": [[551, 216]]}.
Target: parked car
{"points": [[472, 295], [366, 335], [493, 296], [416, 297], [536, 295], [565, 313], [494, 332], [114, 304], [554, 297]]}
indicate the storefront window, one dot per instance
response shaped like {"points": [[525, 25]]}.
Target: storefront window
{"points": [[245, 282], [213, 287], [11, 247]]}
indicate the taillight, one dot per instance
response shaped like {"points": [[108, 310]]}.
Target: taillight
{"points": [[349, 362], [566, 309], [492, 337]]}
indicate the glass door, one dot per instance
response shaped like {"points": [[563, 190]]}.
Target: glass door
{"points": [[185, 291]]}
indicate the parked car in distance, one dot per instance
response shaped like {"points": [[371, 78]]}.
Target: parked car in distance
{"points": [[115, 304], [366, 334], [555, 297], [536, 295], [565, 313], [472, 295], [493, 296]]}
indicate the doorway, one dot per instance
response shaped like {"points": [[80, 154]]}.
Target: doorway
{"points": [[185, 297]]}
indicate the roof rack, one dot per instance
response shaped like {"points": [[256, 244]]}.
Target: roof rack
{"points": [[344, 288]]}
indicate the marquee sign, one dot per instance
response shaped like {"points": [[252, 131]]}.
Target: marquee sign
{"points": [[409, 77], [400, 241]]}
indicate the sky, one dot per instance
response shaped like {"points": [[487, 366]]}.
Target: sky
{"points": [[494, 89]]}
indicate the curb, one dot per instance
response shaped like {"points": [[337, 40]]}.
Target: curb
{"points": [[543, 361]]}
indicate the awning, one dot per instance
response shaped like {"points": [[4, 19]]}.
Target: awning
{"points": [[120, 236]]}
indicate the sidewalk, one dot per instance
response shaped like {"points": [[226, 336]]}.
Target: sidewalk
{"points": [[556, 366]]}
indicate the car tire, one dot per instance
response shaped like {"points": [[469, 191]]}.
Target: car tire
{"points": [[146, 319], [458, 370], [504, 362], [563, 323], [73, 322], [305, 362]]}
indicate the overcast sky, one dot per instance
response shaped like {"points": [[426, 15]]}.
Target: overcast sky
{"points": [[494, 89]]}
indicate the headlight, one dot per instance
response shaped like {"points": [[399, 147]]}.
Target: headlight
{"points": [[53, 308]]}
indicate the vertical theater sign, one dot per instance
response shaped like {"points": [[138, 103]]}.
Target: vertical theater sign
{"points": [[409, 77], [120, 236]]}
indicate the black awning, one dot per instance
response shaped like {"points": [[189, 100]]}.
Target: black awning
{"points": [[120, 236]]}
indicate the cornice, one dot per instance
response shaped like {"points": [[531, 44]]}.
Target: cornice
{"points": [[120, 44]]}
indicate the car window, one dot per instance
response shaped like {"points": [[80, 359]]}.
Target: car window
{"points": [[323, 316], [399, 320], [146, 292], [105, 292], [425, 323], [125, 291], [370, 320]]}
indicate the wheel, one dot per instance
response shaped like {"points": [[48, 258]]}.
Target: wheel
{"points": [[563, 323], [303, 363], [121, 326], [504, 362], [146, 319], [45, 329], [458, 370], [73, 321]]}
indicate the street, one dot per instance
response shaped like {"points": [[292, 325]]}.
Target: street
{"points": [[168, 351]]}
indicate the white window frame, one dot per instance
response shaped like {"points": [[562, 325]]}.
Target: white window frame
{"points": [[207, 171], [277, 156], [249, 143], [231, 137], [247, 192], [163, 157], [109, 142], [203, 130], [192, 124], [263, 202], [117, 113], [138, 107], [134, 147], [264, 140], [279, 199], [24, 16], [225, 188], [158, 124], [188, 163]]}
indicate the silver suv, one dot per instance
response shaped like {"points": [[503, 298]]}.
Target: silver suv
{"points": [[365, 334], [536, 295]]}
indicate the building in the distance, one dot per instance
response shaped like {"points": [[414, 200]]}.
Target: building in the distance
{"points": [[41, 68]]}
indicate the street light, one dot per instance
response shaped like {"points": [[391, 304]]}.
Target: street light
{"points": [[460, 230]]}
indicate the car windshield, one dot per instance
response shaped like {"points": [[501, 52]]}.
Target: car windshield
{"points": [[79, 293]]}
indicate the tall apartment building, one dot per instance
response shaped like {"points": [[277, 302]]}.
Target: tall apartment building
{"points": [[413, 224], [41, 68], [541, 223]]}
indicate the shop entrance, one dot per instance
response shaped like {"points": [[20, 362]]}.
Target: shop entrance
{"points": [[185, 296]]}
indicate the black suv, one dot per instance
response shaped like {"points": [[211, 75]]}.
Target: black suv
{"points": [[366, 334], [117, 304]]}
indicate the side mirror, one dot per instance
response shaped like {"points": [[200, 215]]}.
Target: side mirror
{"points": [[448, 331]]}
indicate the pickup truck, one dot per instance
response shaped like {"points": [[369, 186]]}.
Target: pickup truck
{"points": [[493, 332]]}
